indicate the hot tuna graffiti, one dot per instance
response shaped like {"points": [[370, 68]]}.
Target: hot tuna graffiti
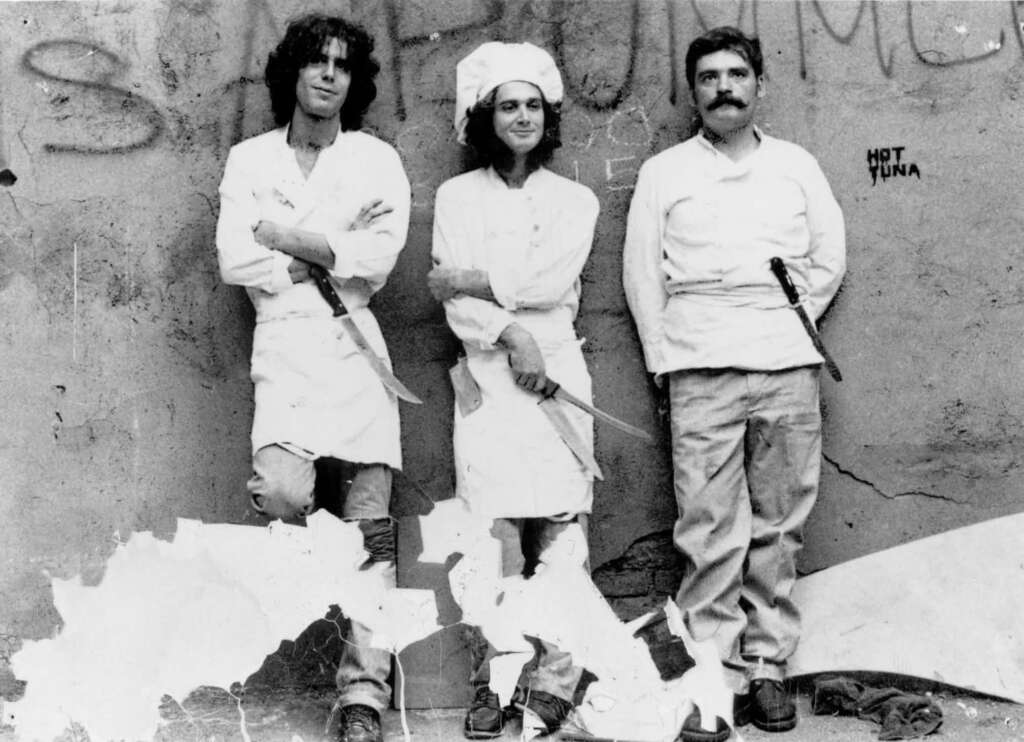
{"points": [[888, 162]]}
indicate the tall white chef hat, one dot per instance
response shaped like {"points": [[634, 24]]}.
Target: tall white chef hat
{"points": [[497, 62]]}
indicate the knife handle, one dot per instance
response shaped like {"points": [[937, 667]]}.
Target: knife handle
{"points": [[550, 387], [779, 269], [323, 283]]}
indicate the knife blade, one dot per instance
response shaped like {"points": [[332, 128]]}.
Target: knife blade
{"points": [[553, 389], [387, 378], [779, 269], [563, 426]]}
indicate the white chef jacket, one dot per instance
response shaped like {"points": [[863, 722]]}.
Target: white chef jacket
{"points": [[313, 391], [533, 243], [699, 237]]}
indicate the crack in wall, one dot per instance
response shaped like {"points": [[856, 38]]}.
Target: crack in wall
{"points": [[893, 496]]}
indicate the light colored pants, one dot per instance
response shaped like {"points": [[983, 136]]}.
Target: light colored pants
{"points": [[524, 545], [746, 448], [282, 487]]}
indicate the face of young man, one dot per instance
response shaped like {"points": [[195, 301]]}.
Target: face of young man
{"points": [[322, 85], [519, 116], [726, 91]]}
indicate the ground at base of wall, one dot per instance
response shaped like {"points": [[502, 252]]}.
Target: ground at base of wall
{"points": [[212, 715]]}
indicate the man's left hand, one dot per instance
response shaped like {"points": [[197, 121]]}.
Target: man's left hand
{"points": [[370, 212]]}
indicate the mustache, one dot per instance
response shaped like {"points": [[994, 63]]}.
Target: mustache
{"points": [[723, 100]]}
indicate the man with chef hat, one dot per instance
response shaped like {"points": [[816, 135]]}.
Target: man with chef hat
{"points": [[510, 240]]}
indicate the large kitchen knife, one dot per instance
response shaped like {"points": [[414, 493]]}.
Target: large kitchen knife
{"points": [[553, 389], [388, 379], [563, 426], [779, 269]]}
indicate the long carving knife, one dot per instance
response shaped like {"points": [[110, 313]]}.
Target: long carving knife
{"points": [[563, 426], [779, 269], [553, 389], [388, 379]]}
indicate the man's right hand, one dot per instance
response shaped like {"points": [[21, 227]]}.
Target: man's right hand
{"points": [[524, 357], [298, 270]]}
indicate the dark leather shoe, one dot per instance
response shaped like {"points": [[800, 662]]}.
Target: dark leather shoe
{"points": [[741, 710], [771, 707], [693, 732], [485, 718], [551, 710], [359, 724]]}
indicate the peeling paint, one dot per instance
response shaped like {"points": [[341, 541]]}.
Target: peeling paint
{"points": [[109, 288]]}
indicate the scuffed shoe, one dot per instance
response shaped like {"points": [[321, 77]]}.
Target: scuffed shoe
{"points": [[692, 731], [550, 709], [771, 707], [485, 718], [359, 724]]}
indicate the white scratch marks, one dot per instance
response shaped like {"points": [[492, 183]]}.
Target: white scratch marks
{"points": [[400, 672], [74, 305]]}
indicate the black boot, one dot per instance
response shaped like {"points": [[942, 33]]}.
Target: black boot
{"points": [[485, 718], [550, 709], [771, 707], [692, 731], [359, 724]]}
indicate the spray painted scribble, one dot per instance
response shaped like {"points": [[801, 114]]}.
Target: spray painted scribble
{"points": [[47, 59]]}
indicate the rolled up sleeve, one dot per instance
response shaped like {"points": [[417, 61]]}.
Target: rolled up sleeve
{"points": [[474, 321], [243, 261], [371, 253]]}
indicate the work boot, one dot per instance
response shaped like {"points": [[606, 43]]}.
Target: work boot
{"points": [[692, 731], [771, 707], [550, 709], [359, 724], [485, 718]]}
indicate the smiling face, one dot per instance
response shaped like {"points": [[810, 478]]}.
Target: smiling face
{"points": [[322, 85], [519, 116], [726, 91]]}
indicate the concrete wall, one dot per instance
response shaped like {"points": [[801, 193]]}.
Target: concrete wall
{"points": [[125, 395]]}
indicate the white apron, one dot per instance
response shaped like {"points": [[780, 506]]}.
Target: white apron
{"points": [[314, 392], [533, 243], [509, 460]]}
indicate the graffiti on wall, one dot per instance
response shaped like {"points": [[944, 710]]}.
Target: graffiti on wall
{"points": [[89, 69], [594, 82], [888, 162]]}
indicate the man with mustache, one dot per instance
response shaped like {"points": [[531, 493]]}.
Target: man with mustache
{"points": [[706, 218]]}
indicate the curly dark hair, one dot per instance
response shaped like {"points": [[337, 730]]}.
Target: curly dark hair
{"points": [[728, 38], [490, 150], [302, 43]]}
